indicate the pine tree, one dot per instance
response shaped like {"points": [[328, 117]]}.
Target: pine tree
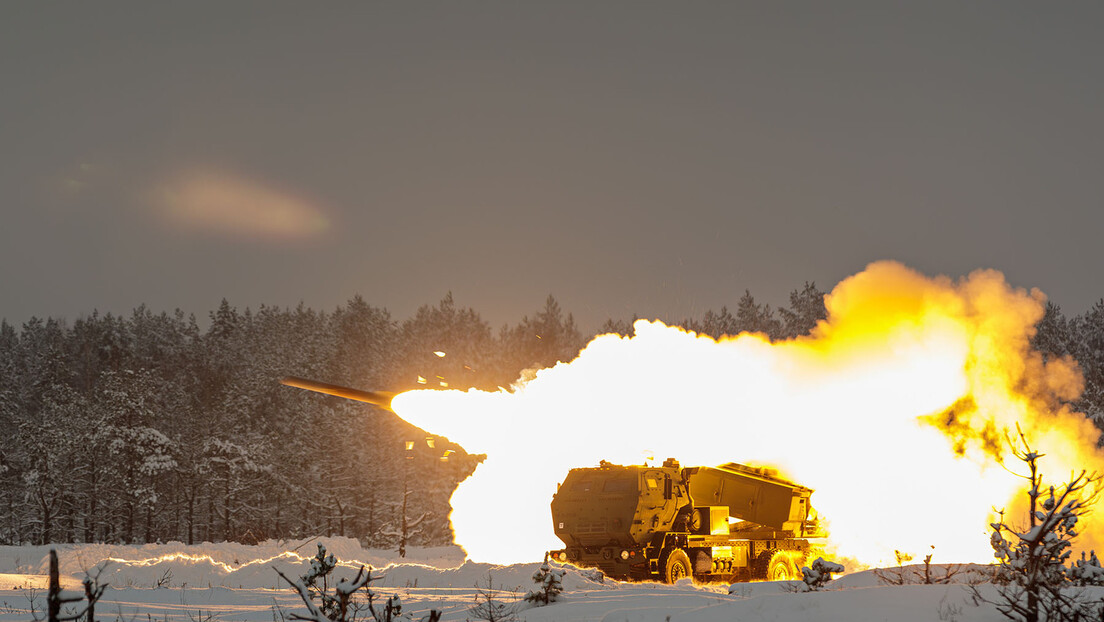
{"points": [[1053, 336], [619, 327], [1032, 575], [231, 467], [549, 585], [718, 325], [1089, 352], [547, 338], [445, 347], [805, 310], [10, 489], [47, 439], [365, 340], [39, 362], [140, 454], [818, 575], [755, 318]]}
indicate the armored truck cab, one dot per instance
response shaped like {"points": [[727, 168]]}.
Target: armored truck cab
{"points": [[617, 506], [731, 522]]}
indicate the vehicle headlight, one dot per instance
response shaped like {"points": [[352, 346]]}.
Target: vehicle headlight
{"points": [[625, 555]]}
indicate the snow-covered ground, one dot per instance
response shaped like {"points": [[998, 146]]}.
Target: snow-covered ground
{"points": [[229, 582]]}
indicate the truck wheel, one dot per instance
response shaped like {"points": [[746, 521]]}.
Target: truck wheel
{"points": [[684, 520], [694, 521], [782, 567], [676, 566]]}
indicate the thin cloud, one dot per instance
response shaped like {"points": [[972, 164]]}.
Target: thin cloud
{"points": [[226, 203]]}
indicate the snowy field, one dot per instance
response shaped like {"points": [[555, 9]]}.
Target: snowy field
{"points": [[229, 582]]}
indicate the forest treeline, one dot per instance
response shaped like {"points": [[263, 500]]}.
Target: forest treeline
{"points": [[147, 427]]}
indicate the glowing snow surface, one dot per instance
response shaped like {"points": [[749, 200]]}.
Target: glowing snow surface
{"points": [[232, 582]]}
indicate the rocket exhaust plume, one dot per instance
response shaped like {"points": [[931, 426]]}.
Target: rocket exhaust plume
{"points": [[894, 409]]}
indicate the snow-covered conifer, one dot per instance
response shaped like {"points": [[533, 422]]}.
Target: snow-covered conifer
{"points": [[549, 585], [717, 325], [1087, 571], [1089, 352], [540, 341], [337, 604], [1032, 576], [818, 575], [805, 310], [756, 318]]}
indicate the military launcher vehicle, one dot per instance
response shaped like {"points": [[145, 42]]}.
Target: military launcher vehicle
{"points": [[732, 522]]}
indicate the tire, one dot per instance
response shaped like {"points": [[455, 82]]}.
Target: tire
{"points": [[676, 565], [783, 566], [694, 521]]}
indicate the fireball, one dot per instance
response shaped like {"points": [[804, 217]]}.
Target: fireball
{"points": [[894, 409]]}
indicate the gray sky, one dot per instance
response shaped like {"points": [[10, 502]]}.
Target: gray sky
{"points": [[625, 157]]}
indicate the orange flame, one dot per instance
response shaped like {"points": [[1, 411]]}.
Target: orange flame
{"points": [[894, 409]]}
